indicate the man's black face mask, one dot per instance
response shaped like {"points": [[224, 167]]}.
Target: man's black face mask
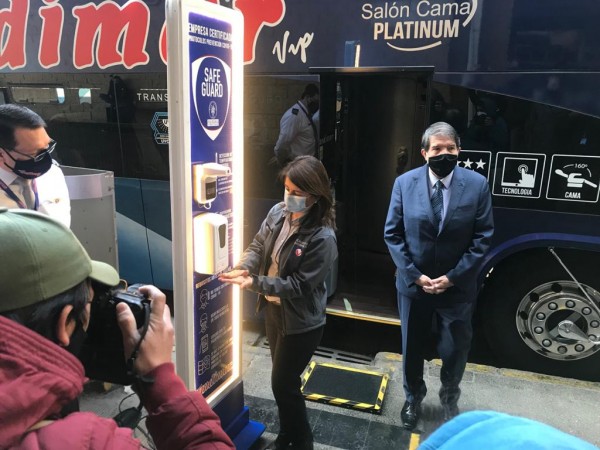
{"points": [[77, 340], [312, 106], [30, 168], [442, 165]]}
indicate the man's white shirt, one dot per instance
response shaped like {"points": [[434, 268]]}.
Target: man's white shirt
{"points": [[53, 195], [296, 135]]}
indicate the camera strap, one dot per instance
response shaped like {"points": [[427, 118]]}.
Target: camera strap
{"points": [[134, 354]]}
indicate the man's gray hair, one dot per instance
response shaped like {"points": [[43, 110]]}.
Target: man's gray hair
{"points": [[439, 129]]}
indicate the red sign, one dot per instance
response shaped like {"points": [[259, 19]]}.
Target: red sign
{"points": [[106, 34]]}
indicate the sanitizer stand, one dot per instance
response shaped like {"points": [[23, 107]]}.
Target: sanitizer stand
{"points": [[205, 86]]}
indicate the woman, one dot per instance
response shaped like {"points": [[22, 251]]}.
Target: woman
{"points": [[287, 263]]}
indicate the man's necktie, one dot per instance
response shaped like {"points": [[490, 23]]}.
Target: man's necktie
{"points": [[437, 200], [26, 192]]}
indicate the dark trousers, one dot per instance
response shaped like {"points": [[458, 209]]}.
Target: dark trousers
{"points": [[452, 325], [290, 355]]}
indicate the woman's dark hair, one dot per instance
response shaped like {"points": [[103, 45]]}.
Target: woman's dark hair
{"points": [[42, 317], [309, 174]]}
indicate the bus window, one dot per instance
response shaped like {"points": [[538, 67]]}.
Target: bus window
{"points": [[85, 95], [543, 140], [38, 94]]}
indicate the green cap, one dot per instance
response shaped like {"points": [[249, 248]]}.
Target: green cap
{"points": [[41, 258]]}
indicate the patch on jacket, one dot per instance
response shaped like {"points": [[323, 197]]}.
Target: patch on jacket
{"points": [[295, 111], [298, 252], [301, 244]]}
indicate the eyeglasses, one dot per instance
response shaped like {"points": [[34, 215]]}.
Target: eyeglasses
{"points": [[41, 153]]}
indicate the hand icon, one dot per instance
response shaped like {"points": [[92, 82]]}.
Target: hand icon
{"points": [[527, 180]]}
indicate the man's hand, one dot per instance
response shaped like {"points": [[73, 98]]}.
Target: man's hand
{"points": [[441, 284], [157, 346], [240, 277], [435, 286], [425, 282]]}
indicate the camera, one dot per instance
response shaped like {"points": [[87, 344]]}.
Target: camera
{"points": [[102, 355]]}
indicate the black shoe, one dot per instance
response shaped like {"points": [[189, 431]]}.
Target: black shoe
{"points": [[410, 414], [302, 445], [450, 411], [280, 443]]}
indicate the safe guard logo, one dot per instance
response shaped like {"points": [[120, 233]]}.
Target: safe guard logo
{"points": [[211, 88], [419, 25]]}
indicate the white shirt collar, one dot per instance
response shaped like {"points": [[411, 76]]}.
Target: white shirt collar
{"points": [[434, 179], [301, 105], [7, 176]]}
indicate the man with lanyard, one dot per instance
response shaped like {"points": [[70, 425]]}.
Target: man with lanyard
{"points": [[298, 134], [29, 178]]}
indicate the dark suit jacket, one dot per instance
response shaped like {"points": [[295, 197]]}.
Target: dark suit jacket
{"points": [[416, 245]]}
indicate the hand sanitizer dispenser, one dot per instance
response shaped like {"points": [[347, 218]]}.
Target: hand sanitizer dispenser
{"points": [[211, 244], [205, 180]]}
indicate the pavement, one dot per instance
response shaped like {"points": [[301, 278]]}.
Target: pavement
{"points": [[566, 404]]}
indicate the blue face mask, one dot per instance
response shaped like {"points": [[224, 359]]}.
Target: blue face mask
{"points": [[294, 203]]}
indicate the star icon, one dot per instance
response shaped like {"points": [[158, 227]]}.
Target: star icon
{"points": [[467, 163], [480, 164]]}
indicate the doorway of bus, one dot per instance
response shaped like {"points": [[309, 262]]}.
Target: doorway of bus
{"points": [[371, 124]]}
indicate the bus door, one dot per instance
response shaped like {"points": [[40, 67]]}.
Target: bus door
{"points": [[371, 124]]}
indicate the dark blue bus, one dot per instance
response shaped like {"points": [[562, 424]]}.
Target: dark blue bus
{"points": [[515, 78]]}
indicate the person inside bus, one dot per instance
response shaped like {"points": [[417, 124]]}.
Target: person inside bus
{"points": [[488, 129], [298, 134], [438, 229], [45, 295], [287, 264], [437, 106], [29, 177]]}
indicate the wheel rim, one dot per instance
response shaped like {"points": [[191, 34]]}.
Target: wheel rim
{"points": [[544, 307]]}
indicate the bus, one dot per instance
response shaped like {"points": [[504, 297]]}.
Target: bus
{"points": [[515, 78]]}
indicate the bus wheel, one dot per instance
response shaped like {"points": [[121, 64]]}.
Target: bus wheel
{"points": [[526, 298]]}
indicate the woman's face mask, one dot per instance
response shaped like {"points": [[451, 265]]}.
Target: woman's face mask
{"points": [[295, 203]]}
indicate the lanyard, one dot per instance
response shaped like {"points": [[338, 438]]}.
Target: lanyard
{"points": [[16, 199]]}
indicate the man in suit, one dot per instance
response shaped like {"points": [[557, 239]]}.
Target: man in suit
{"points": [[438, 229]]}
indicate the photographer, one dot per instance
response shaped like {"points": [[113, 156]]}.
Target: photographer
{"points": [[45, 302]]}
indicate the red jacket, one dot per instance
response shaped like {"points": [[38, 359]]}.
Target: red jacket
{"points": [[37, 378]]}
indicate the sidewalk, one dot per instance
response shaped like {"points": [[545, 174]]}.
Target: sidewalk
{"points": [[569, 405], [566, 404]]}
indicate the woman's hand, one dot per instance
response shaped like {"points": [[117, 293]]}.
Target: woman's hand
{"points": [[241, 277], [233, 274]]}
